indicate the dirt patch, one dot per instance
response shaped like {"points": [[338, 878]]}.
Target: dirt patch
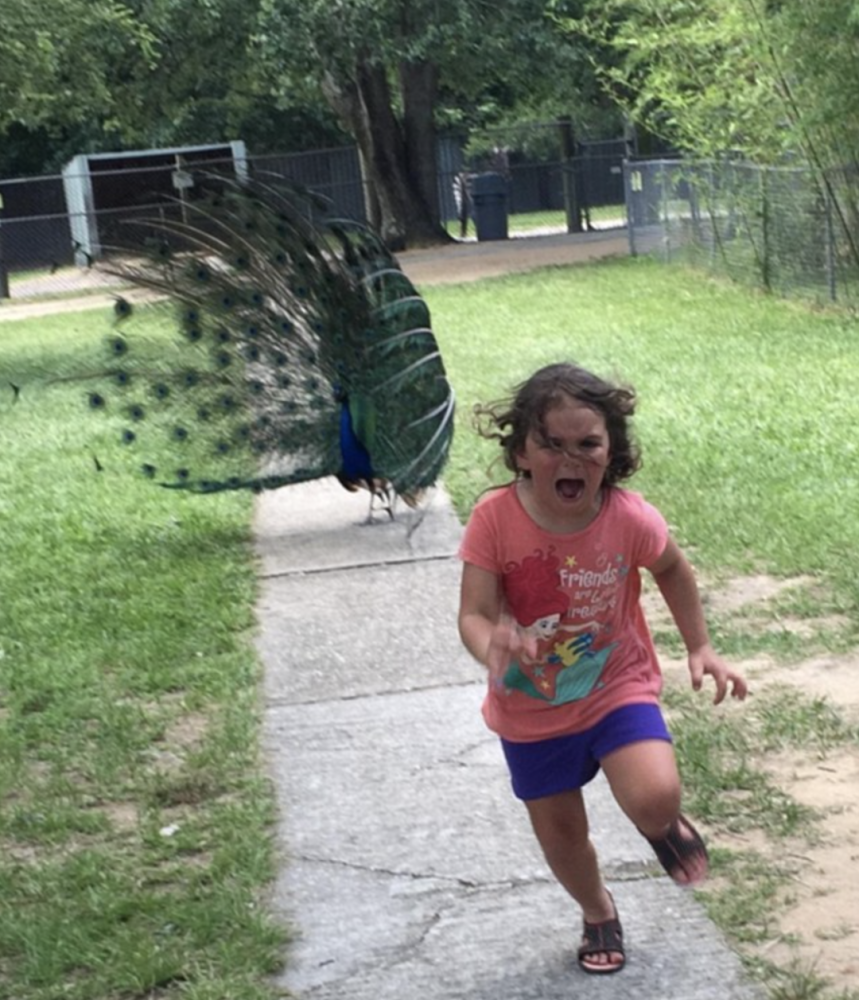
{"points": [[818, 923]]}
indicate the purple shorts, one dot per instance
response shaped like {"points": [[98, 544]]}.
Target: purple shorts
{"points": [[564, 763]]}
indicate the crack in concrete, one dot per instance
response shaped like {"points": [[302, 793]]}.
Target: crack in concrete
{"points": [[345, 567], [464, 883], [286, 702]]}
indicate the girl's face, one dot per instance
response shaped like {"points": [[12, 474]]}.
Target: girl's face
{"points": [[567, 464]]}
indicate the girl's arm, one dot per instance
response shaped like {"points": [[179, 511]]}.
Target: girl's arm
{"points": [[492, 637], [676, 581]]}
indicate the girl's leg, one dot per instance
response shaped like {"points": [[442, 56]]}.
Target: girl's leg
{"points": [[646, 784], [561, 825]]}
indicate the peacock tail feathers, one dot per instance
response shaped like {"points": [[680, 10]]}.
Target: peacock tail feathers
{"points": [[297, 349]]}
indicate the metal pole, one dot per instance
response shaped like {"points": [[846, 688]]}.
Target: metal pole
{"points": [[630, 214], [830, 245], [568, 172]]}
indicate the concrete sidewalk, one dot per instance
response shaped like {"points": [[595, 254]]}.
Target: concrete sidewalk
{"points": [[408, 868]]}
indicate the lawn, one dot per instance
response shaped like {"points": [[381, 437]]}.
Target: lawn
{"points": [[136, 819]]}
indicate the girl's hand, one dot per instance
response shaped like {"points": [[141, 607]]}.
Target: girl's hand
{"points": [[507, 641], [706, 661]]}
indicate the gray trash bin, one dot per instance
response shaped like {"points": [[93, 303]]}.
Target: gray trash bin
{"points": [[489, 200]]}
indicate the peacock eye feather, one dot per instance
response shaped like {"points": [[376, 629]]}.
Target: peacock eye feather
{"points": [[282, 315], [122, 308]]}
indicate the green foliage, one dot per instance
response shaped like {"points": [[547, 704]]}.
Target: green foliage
{"points": [[721, 76], [490, 58], [697, 73], [58, 61]]}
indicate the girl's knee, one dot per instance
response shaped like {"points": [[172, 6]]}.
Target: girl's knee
{"points": [[559, 819], [645, 782], [655, 808]]}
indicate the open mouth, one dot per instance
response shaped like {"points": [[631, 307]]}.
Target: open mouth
{"points": [[570, 489]]}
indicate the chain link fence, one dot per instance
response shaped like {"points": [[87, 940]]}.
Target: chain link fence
{"points": [[782, 229], [52, 228]]}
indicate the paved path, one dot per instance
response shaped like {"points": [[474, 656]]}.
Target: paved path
{"points": [[408, 868]]}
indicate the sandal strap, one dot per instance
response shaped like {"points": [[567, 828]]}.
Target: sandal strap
{"points": [[675, 848], [601, 938]]}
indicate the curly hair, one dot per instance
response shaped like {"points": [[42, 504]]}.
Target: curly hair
{"points": [[509, 421]]}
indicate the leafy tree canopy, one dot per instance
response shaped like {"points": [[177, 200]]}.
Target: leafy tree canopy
{"points": [[762, 78], [53, 58]]}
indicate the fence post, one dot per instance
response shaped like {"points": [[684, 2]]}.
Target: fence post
{"points": [[569, 166], [630, 214], [663, 214], [830, 245], [4, 274], [766, 277]]}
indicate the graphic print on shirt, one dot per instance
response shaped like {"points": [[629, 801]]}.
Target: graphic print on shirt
{"points": [[564, 607]]}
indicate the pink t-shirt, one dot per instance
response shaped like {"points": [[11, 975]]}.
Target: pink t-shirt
{"points": [[579, 594]]}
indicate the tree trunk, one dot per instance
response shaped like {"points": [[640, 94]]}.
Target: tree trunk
{"points": [[397, 203], [419, 88]]}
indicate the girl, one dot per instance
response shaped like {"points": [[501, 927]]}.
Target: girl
{"points": [[550, 606]]}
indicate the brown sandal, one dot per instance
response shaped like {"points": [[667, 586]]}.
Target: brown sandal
{"points": [[603, 938], [681, 844]]}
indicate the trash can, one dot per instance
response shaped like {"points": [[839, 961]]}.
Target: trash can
{"points": [[489, 200]]}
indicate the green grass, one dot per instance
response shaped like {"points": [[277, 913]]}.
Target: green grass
{"points": [[135, 820], [135, 817]]}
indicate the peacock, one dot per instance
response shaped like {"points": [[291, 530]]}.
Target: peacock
{"points": [[298, 349]]}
